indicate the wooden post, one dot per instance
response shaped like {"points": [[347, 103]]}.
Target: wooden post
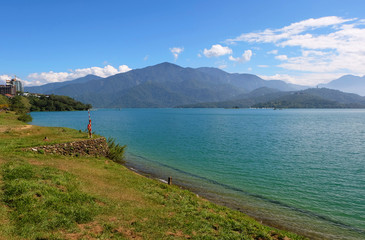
{"points": [[169, 181]]}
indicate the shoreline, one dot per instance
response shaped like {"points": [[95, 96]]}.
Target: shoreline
{"points": [[151, 170], [232, 203], [215, 198], [131, 204]]}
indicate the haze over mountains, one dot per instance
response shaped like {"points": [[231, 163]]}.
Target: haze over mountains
{"points": [[169, 85], [46, 88], [348, 83]]}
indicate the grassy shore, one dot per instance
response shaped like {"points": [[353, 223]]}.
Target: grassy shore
{"points": [[60, 197]]}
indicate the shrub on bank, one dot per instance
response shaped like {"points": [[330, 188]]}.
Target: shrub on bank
{"points": [[25, 117], [116, 151]]}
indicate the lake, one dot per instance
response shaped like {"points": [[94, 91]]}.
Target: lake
{"points": [[302, 169]]}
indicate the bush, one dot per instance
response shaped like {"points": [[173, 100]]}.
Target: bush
{"points": [[4, 106], [25, 117], [116, 151], [20, 104], [4, 100]]}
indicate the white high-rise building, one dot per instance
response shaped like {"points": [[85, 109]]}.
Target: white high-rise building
{"points": [[17, 83]]}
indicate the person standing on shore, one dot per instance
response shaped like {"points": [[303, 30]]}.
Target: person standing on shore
{"points": [[89, 129], [89, 126]]}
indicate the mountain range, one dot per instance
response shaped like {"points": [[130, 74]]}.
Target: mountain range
{"points": [[272, 98], [315, 98], [169, 85], [348, 83], [47, 88], [162, 85]]}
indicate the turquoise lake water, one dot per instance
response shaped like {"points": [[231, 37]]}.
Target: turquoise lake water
{"points": [[301, 170]]}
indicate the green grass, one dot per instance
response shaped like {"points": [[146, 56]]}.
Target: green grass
{"points": [[59, 197], [43, 199]]}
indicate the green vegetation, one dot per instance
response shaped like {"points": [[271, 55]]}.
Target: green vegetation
{"points": [[304, 99], [271, 98], [116, 151], [21, 106], [56, 103], [245, 100], [4, 102], [298, 101], [62, 197], [43, 199], [25, 117]]}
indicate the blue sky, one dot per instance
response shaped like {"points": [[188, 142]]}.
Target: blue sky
{"points": [[303, 42]]}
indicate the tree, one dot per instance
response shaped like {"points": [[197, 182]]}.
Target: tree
{"points": [[20, 104]]}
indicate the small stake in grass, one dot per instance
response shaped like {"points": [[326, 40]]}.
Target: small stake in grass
{"points": [[169, 181]]}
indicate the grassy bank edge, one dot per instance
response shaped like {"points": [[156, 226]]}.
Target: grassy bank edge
{"points": [[131, 206]]}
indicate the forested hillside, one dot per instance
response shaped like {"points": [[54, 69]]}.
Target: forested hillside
{"points": [[56, 103]]}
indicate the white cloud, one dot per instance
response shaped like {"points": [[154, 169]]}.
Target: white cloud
{"points": [[3, 78], [176, 51], [274, 52], [49, 77], [329, 45], [263, 66], [284, 77], [216, 51], [146, 58], [233, 58], [307, 79], [123, 69], [223, 66], [275, 35], [246, 56], [281, 57]]}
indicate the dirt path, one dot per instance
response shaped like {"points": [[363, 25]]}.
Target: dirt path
{"points": [[14, 128]]}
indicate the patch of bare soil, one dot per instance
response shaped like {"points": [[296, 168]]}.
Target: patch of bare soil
{"points": [[178, 234], [127, 233], [14, 128]]}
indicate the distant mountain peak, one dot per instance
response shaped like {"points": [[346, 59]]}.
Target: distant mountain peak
{"points": [[166, 65], [348, 83], [50, 87], [91, 75]]}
